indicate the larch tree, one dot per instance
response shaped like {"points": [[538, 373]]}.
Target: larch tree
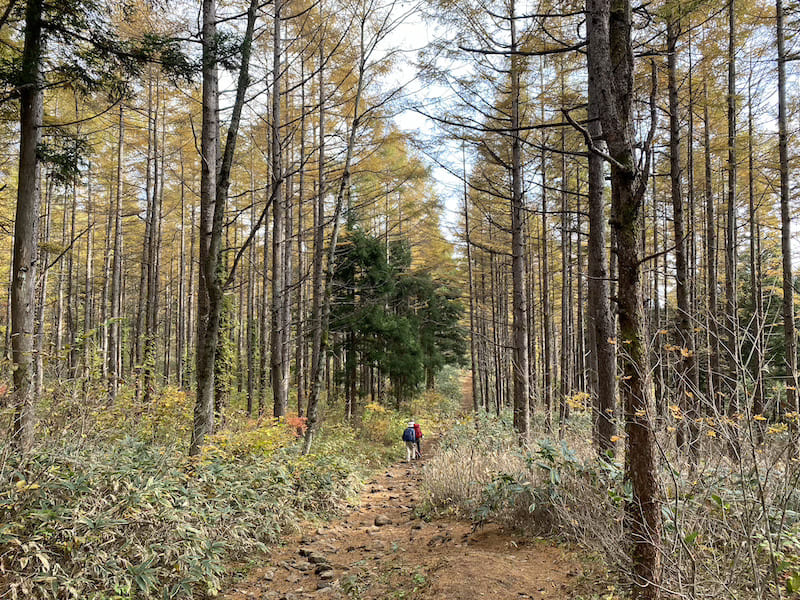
{"points": [[26, 227], [610, 61]]}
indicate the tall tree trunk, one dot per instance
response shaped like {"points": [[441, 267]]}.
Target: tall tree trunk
{"points": [[42, 292], [547, 318], [114, 362], [610, 60], [520, 308], [182, 323], [686, 366], [277, 362], [58, 328], [757, 322], [564, 379], [731, 318], [23, 277], [790, 340], [209, 293], [472, 319], [88, 281], [600, 316], [300, 343], [251, 341], [137, 346], [318, 343], [343, 189], [150, 332], [214, 185], [714, 391], [72, 300], [263, 370]]}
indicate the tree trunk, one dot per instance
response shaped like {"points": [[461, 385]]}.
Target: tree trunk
{"points": [[88, 282], [277, 362], [610, 60], [41, 303], [714, 392], [547, 319], [686, 366], [600, 316], [731, 318], [23, 277], [472, 319], [520, 308], [114, 362], [325, 286], [790, 340], [209, 294], [214, 184], [757, 321]]}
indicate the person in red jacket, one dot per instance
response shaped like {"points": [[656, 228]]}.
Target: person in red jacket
{"points": [[417, 438]]}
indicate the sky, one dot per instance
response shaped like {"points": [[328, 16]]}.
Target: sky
{"points": [[411, 37]]}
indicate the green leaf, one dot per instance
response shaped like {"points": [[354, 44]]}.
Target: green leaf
{"points": [[793, 583]]}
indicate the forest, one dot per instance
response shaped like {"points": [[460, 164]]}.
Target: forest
{"points": [[247, 241]]}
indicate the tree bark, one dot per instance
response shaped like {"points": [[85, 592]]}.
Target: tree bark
{"points": [[214, 184], [790, 340], [114, 362], [600, 316], [23, 276], [209, 293], [520, 308], [731, 318], [280, 389], [686, 366], [610, 60], [714, 392]]}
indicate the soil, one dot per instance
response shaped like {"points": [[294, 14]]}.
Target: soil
{"points": [[384, 550]]}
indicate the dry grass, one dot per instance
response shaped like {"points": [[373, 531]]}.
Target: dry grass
{"points": [[457, 475]]}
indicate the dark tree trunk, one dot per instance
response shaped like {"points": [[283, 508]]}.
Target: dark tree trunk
{"points": [[23, 276], [600, 316], [520, 309], [686, 366], [610, 60], [209, 292], [790, 340], [114, 345]]}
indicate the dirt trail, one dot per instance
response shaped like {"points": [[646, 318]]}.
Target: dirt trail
{"points": [[383, 550]]}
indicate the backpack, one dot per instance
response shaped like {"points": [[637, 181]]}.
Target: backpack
{"points": [[408, 435]]}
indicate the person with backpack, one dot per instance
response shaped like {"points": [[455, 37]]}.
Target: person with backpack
{"points": [[409, 437], [417, 437]]}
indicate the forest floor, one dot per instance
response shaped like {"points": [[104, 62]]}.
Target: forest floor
{"points": [[384, 550]]}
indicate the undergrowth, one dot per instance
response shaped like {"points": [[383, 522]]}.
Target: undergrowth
{"points": [[109, 506], [730, 528]]}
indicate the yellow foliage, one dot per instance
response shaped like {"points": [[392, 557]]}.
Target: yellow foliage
{"points": [[578, 402], [676, 411], [257, 437], [376, 423], [166, 417], [777, 428]]}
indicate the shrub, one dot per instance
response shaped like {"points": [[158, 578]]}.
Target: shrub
{"points": [[470, 455], [136, 520]]}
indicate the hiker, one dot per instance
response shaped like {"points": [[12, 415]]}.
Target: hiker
{"points": [[417, 437], [409, 437]]}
